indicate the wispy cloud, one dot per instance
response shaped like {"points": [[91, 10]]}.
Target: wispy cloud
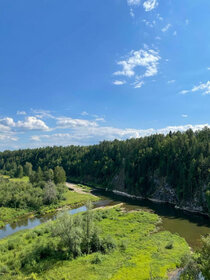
{"points": [[132, 14], [42, 114], [145, 61], [133, 2], [149, 23], [171, 81], [66, 122], [68, 131], [87, 135], [21, 113], [166, 27], [149, 5], [138, 84], [184, 91], [204, 88], [184, 116], [119, 83], [84, 113]]}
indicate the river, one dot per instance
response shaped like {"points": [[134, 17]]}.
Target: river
{"points": [[188, 225]]}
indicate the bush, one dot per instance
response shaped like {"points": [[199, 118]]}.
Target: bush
{"points": [[169, 245], [97, 259], [108, 244], [3, 269]]}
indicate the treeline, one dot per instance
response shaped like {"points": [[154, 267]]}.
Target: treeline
{"points": [[24, 195], [182, 160], [58, 174]]}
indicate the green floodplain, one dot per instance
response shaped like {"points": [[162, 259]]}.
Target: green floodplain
{"points": [[133, 243], [139, 251]]}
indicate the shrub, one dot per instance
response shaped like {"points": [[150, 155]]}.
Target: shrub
{"points": [[169, 245], [97, 259]]}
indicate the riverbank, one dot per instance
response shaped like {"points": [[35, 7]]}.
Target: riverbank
{"points": [[72, 199], [140, 251]]}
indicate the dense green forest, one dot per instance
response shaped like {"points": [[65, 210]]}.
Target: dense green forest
{"points": [[178, 163]]}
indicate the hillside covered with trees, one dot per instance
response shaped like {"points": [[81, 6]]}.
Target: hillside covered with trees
{"points": [[173, 168]]}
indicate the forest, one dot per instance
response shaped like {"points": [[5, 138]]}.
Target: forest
{"points": [[179, 161]]}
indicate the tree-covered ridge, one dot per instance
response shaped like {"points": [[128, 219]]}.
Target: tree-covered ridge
{"points": [[178, 160]]}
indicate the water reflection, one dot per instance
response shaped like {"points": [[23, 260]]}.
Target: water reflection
{"points": [[188, 225], [28, 223]]}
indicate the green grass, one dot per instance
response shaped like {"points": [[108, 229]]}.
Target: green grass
{"points": [[85, 188], [141, 251], [23, 179], [11, 215], [71, 200]]}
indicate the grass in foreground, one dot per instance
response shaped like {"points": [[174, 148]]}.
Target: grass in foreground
{"points": [[141, 252]]}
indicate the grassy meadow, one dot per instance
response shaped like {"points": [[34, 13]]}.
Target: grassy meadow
{"points": [[140, 252]]}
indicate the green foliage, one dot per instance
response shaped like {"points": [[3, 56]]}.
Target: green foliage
{"points": [[199, 263], [59, 175], [180, 160], [204, 259], [28, 169], [50, 193], [19, 173], [43, 254], [169, 245], [20, 194]]}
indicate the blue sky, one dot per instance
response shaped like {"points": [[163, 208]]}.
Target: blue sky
{"points": [[79, 72]]}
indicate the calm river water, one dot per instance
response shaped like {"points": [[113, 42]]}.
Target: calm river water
{"points": [[187, 225]]}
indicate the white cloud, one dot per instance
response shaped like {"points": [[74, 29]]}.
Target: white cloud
{"points": [[32, 123], [7, 138], [136, 61], [149, 5], [175, 33], [171, 81], [184, 116], [100, 120], [159, 17], [149, 23], [21, 113], [166, 28], [84, 113], [65, 122], [208, 68], [8, 122], [36, 138], [119, 83], [6, 134], [157, 38], [204, 88], [138, 84], [147, 60], [88, 135], [132, 13], [184, 91], [133, 2], [41, 114]]}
